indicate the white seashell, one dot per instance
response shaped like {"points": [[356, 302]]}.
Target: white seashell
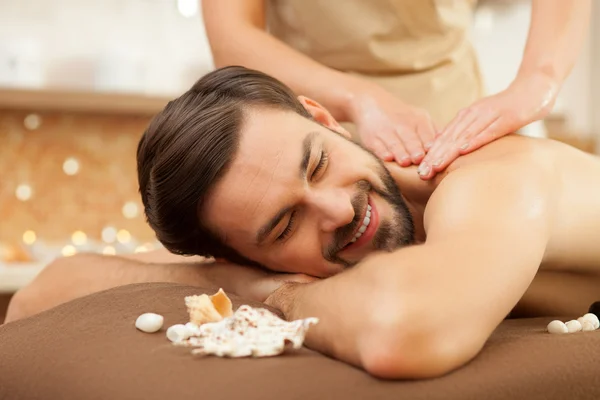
{"points": [[192, 328], [587, 326], [249, 331], [557, 326], [593, 319], [573, 326], [149, 322], [178, 333]]}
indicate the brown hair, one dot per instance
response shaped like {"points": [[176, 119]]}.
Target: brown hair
{"points": [[189, 146]]}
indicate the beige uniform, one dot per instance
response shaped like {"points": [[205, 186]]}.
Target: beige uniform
{"points": [[417, 49]]}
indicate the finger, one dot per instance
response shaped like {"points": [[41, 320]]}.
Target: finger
{"points": [[427, 132], [438, 157], [447, 148], [396, 147], [464, 117], [495, 130], [428, 170], [434, 157], [380, 149], [412, 145], [460, 141], [435, 154]]}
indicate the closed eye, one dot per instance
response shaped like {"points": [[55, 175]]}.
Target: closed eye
{"points": [[288, 229], [321, 165]]}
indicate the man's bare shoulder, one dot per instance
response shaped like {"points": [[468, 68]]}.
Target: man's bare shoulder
{"points": [[513, 150], [510, 174]]}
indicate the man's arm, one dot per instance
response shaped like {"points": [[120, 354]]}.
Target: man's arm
{"points": [[425, 310], [68, 278]]}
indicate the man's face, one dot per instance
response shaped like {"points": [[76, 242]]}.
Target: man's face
{"points": [[300, 198]]}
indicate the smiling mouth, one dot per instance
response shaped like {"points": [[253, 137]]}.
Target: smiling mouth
{"points": [[362, 227]]}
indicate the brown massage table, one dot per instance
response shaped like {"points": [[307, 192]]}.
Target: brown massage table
{"points": [[89, 349]]}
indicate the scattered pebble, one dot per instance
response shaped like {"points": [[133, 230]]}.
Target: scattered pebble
{"points": [[149, 322], [573, 326], [178, 333], [587, 326], [557, 326], [593, 319]]}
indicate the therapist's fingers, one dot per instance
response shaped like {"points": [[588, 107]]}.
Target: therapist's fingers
{"points": [[377, 146], [397, 148], [428, 133], [449, 146], [412, 144], [463, 119], [493, 131]]}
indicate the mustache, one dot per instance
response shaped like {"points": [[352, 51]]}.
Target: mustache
{"points": [[344, 234]]}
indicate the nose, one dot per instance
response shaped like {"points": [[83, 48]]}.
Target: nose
{"points": [[334, 207]]}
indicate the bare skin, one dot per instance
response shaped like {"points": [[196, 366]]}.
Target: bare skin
{"points": [[483, 231], [511, 227], [568, 279]]}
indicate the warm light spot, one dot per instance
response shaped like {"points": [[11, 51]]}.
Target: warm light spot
{"points": [[187, 8], [130, 210], [71, 166], [78, 238], [109, 234], [141, 249], [32, 122], [109, 251], [123, 236], [29, 237], [23, 192], [68, 250]]}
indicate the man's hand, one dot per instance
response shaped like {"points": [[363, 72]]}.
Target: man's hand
{"points": [[392, 129], [528, 99], [258, 285], [68, 278]]}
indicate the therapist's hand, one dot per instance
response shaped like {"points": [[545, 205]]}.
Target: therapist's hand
{"points": [[393, 130], [526, 100]]}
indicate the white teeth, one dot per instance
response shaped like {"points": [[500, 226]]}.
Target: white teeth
{"points": [[365, 224]]}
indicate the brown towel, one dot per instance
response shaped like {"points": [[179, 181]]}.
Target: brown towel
{"points": [[89, 349]]}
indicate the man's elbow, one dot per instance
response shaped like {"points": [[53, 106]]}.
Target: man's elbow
{"points": [[414, 350]]}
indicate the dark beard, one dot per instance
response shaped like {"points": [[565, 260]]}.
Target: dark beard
{"points": [[391, 235]]}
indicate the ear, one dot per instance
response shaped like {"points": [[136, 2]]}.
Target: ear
{"points": [[322, 116]]}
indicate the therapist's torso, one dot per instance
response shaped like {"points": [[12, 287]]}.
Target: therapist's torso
{"points": [[417, 49]]}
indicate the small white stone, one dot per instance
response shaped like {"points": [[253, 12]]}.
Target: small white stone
{"points": [[149, 322], [177, 333], [593, 319], [587, 326], [557, 326], [573, 326]]}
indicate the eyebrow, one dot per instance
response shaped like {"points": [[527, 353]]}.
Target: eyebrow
{"points": [[266, 229]]}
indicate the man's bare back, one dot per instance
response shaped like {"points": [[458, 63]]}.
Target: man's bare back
{"points": [[568, 280]]}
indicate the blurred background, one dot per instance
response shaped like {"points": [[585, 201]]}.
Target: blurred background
{"points": [[80, 79]]}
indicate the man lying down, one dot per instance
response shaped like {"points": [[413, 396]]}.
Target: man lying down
{"points": [[415, 274]]}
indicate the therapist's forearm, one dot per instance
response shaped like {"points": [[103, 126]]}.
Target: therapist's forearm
{"points": [[252, 47], [556, 35]]}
